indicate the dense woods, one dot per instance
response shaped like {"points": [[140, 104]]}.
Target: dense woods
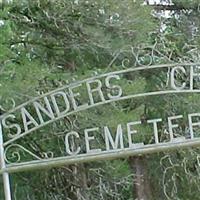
{"points": [[46, 44]]}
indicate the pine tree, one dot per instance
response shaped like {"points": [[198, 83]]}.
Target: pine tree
{"points": [[46, 44]]}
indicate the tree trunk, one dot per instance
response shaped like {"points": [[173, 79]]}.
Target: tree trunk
{"points": [[81, 181], [141, 182]]}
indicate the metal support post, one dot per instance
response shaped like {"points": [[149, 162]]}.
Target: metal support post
{"points": [[6, 180]]}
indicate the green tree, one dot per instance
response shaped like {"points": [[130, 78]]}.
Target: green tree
{"points": [[45, 44], [51, 43]]}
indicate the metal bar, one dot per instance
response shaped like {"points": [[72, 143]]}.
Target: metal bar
{"points": [[105, 155], [132, 69], [6, 181]]}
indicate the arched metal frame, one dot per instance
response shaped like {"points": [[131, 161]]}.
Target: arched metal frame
{"points": [[52, 162]]}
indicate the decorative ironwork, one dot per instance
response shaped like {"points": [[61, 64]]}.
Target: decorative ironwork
{"points": [[47, 105], [52, 110], [14, 152]]}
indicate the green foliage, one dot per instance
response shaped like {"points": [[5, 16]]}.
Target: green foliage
{"points": [[46, 44], [191, 4]]}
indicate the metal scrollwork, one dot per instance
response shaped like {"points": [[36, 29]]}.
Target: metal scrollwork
{"points": [[125, 63], [141, 56], [9, 103], [48, 154], [14, 153]]}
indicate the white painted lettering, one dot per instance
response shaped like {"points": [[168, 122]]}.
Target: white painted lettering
{"points": [[173, 84], [11, 126], [113, 87], [92, 90], [66, 101], [171, 126], [193, 75], [73, 95], [48, 112], [71, 150], [27, 119], [155, 128], [131, 132], [88, 139], [118, 138], [192, 124]]}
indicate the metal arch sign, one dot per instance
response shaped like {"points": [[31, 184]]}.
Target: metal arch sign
{"points": [[45, 109]]}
